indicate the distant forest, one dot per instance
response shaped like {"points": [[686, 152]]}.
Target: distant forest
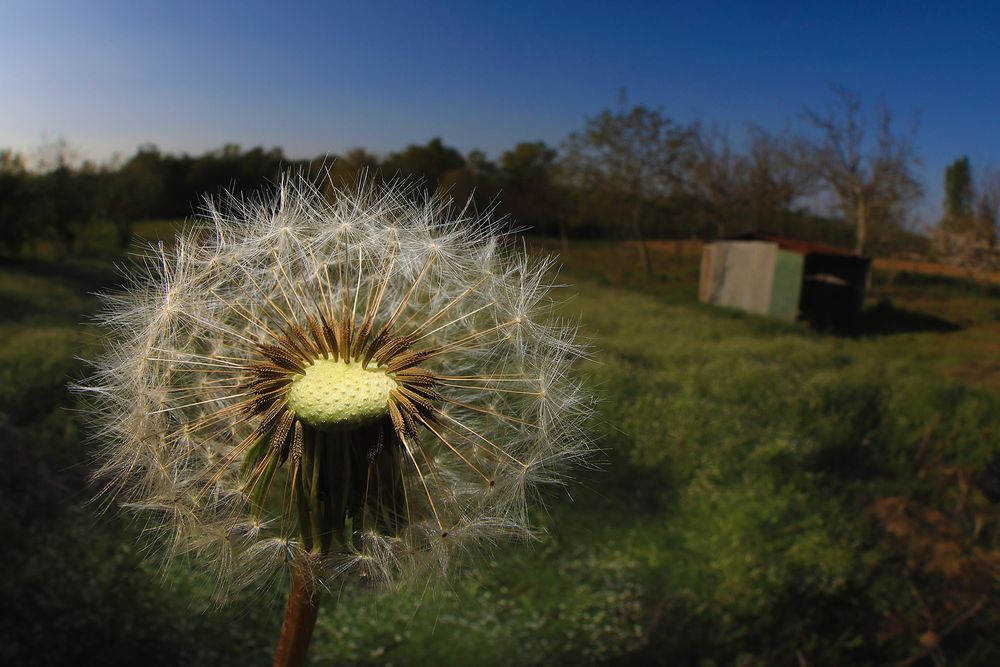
{"points": [[629, 173]]}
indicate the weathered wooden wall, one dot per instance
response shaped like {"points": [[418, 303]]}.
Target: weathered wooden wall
{"points": [[739, 274]]}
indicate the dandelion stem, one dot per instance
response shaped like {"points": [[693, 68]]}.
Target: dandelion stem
{"points": [[300, 619]]}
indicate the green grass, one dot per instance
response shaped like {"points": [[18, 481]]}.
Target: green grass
{"points": [[156, 230], [729, 525]]}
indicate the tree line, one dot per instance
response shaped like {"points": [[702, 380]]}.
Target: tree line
{"points": [[629, 172]]}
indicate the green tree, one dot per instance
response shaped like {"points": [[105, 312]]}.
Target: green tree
{"points": [[233, 170], [59, 195], [530, 192], [131, 191], [14, 230], [63, 204], [959, 194], [345, 171], [474, 183], [429, 162]]}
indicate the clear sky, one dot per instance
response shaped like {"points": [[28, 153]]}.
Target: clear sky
{"points": [[322, 77]]}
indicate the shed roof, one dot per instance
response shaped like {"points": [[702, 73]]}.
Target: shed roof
{"points": [[797, 245]]}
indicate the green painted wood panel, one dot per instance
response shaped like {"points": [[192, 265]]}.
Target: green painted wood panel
{"points": [[787, 285]]}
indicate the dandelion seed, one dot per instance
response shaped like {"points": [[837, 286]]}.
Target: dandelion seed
{"points": [[364, 388]]}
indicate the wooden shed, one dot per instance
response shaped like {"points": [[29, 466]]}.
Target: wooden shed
{"points": [[785, 278]]}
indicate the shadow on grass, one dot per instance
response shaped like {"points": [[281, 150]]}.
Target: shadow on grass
{"points": [[12, 306], [39, 291], [884, 319], [76, 271]]}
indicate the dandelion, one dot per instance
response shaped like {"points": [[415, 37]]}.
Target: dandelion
{"points": [[361, 386]]}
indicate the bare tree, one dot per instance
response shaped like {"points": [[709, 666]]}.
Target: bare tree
{"points": [[56, 154], [870, 174], [964, 249], [777, 176], [987, 208], [971, 243], [717, 174], [755, 188], [629, 157]]}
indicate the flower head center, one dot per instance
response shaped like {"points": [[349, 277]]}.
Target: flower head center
{"points": [[333, 395]]}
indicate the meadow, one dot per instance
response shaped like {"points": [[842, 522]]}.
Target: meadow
{"points": [[766, 495]]}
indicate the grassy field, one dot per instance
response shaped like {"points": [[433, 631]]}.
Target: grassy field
{"points": [[768, 496]]}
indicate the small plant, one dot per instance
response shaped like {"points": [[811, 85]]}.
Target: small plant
{"points": [[357, 386]]}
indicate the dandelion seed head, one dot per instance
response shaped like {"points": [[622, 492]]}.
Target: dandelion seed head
{"points": [[369, 384]]}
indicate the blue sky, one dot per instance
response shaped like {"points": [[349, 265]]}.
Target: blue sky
{"points": [[324, 77]]}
